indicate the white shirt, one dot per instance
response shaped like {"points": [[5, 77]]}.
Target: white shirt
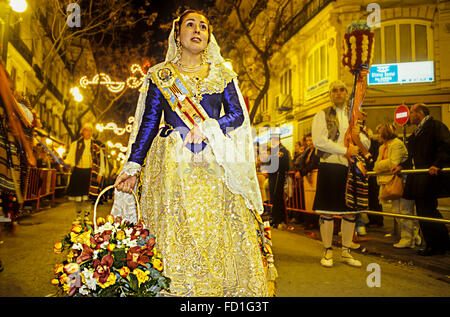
{"points": [[86, 157], [336, 149]]}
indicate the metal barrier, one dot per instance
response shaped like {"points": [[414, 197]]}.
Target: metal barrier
{"points": [[40, 182], [413, 171], [62, 180], [293, 203]]}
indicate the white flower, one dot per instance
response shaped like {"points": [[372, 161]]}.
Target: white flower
{"points": [[129, 243], [128, 231], [95, 255], [83, 290], [106, 226], [77, 246], [90, 281], [104, 245]]}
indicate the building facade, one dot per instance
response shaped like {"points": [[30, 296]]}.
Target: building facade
{"points": [[29, 40], [411, 34]]}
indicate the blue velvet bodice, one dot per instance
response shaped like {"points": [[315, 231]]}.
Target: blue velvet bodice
{"points": [[155, 104]]}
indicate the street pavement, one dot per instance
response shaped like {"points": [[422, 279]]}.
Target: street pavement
{"points": [[28, 259]]}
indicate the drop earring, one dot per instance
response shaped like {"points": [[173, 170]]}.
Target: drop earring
{"points": [[205, 56], [178, 55]]}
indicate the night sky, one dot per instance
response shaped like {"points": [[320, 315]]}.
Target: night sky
{"points": [[166, 10]]}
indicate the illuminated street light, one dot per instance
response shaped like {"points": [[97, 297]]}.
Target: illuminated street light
{"points": [[76, 94], [112, 126], [113, 86], [61, 150], [18, 5]]}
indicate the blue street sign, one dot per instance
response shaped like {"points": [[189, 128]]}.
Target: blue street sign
{"points": [[383, 74], [401, 73]]}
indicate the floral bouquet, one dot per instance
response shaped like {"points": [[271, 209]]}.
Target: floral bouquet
{"points": [[114, 259], [358, 46]]}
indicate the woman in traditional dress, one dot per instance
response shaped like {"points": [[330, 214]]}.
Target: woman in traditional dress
{"points": [[200, 193]]}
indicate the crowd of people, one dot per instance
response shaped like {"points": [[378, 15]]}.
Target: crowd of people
{"points": [[201, 206], [319, 163]]}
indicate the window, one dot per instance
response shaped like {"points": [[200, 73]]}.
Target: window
{"points": [[286, 83], [402, 42], [317, 69], [264, 104]]}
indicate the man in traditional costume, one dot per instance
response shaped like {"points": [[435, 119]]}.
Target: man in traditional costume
{"points": [[87, 161], [200, 193], [328, 131]]}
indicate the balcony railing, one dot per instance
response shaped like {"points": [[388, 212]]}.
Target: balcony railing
{"points": [[307, 13]]}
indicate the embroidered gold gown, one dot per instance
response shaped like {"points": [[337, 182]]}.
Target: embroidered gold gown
{"points": [[206, 234]]}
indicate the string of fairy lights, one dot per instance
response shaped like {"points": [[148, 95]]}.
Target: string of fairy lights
{"points": [[132, 82], [116, 86]]}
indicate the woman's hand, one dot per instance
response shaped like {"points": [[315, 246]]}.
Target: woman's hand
{"points": [[125, 183], [194, 136]]}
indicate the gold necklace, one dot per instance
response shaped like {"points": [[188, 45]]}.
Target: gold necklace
{"points": [[190, 69]]}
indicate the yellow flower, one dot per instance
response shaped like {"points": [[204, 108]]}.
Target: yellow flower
{"points": [[55, 281], [110, 281], [141, 276], [70, 256], [62, 278], [77, 228], [100, 221], [157, 264], [120, 235], [57, 247], [73, 236], [111, 247], [124, 271], [59, 268], [84, 238], [71, 268], [110, 218], [66, 288]]}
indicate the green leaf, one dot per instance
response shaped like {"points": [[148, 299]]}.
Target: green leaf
{"points": [[134, 284], [120, 257]]}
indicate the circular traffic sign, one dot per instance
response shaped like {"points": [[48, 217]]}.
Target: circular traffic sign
{"points": [[401, 115]]}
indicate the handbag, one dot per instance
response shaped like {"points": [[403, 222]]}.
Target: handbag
{"points": [[393, 189]]}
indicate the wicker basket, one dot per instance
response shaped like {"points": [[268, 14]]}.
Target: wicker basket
{"points": [[136, 199]]}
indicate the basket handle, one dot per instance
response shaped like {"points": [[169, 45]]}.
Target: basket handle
{"points": [[136, 199]]}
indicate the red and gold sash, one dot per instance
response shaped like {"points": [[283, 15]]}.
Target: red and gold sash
{"points": [[179, 96]]}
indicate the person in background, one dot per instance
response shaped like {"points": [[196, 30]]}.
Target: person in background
{"points": [[375, 221], [277, 179], [428, 148], [329, 127], [309, 163], [392, 153], [299, 151], [86, 159]]}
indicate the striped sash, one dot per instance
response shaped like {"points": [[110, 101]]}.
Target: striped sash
{"points": [[178, 95]]}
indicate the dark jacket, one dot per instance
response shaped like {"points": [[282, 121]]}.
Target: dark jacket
{"points": [[277, 178], [309, 161], [429, 147]]}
